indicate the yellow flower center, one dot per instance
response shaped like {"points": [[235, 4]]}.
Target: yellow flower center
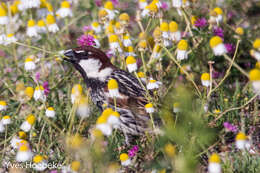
{"points": [[49, 7], [23, 148], [75, 165], [124, 17], [257, 65], [113, 38], [256, 44], [39, 88], [173, 26], [176, 105], [2, 103], [123, 157], [102, 119], [97, 133], [37, 159], [254, 75], [142, 44], [218, 10], [14, 8], [214, 41], [77, 89], [149, 105], [6, 117], [157, 48], [107, 112], [164, 27], [183, 45], [157, 32], [110, 29], [241, 136], [130, 60], [41, 23], [29, 91], [126, 37], [240, 31], [140, 74], [2, 12], [142, 0], [130, 49], [50, 109], [10, 35], [102, 13], [205, 77], [152, 81], [193, 19], [214, 158], [75, 141], [31, 119], [142, 35], [65, 4], [109, 5], [95, 24], [169, 150], [116, 114], [50, 19], [22, 134], [112, 84], [31, 23]]}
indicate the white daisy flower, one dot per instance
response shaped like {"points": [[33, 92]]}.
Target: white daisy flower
{"points": [[65, 10], [24, 154], [3, 105], [131, 64], [51, 24], [153, 84], [40, 163], [31, 29], [113, 88], [125, 161], [39, 93], [217, 46], [214, 164], [182, 50], [50, 112], [6, 120], [29, 64], [28, 123]]}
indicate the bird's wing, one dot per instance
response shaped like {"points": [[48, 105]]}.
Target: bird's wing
{"points": [[132, 94]]}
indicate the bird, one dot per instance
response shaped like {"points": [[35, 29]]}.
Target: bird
{"points": [[96, 70]]}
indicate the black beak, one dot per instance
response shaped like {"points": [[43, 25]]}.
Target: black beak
{"points": [[70, 56]]}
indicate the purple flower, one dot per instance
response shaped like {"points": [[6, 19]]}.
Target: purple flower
{"points": [[46, 88], [86, 28], [37, 76], [165, 6], [98, 3], [230, 48], [201, 23], [8, 70], [85, 40], [133, 151], [115, 2], [218, 32], [230, 15], [54, 171], [230, 127]]}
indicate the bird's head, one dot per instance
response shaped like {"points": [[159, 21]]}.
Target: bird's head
{"points": [[90, 61]]}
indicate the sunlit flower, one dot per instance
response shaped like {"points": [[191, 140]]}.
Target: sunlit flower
{"points": [[113, 119], [131, 64], [29, 64], [216, 16], [51, 23], [83, 108], [65, 10], [3, 16], [254, 76], [129, 51], [205, 79], [176, 107], [40, 163], [241, 140], [96, 27], [76, 93], [10, 38], [182, 50], [217, 46], [103, 125], [164, 27], [127, 41], [113, 88], [153, 84], [31, 29], [103, 16], [3, 105], [39, 93], [142, 4], [124, 18], [149, 108], [141, 75], [41, 28], [109, 7], [114, 43], [28, 123], [156, 51], [239, 31], [30, 3], [74, 167], [85, 40], [142, 44], [175, 34], [50, 112], [24, 154], [214, 164], [6, 120], [125, 161]]}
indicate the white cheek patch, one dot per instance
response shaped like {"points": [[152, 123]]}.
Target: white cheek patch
{"points": [[92, 66], [80, 51]]}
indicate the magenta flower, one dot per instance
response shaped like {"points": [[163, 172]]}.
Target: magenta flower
{"points": [[218, 32], [98, 3], [230, 48], [37, 76], [46, 88], [86, 28], [85, 40], [230, 127], [164, 6], [201, 23], [133, 151], [115, 2]]}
